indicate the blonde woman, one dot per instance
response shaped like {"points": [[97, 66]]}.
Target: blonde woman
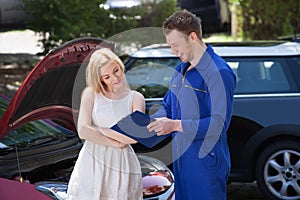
{"points": [[107, 167]]}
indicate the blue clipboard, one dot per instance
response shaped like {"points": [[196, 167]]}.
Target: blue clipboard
{"points": [[134, 126]]}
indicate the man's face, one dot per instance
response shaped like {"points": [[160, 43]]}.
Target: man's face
{"points": [[180, 45]]}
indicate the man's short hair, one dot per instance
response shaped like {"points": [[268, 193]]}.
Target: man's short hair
{"points": [[184, 22]]}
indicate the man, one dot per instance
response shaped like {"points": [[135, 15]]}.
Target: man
{"points": [[196, 111]]}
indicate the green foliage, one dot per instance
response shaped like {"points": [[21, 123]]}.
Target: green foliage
{"points": [[58, 21], [156, 12], [268, 19], [121, 19]]}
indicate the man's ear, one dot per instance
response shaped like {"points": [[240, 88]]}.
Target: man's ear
{"points": [[193, 36]]}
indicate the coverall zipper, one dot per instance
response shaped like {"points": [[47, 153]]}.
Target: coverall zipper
{"points": [[179, 91]]}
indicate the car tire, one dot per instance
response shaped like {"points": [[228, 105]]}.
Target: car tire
{"points": [[278, 171]]}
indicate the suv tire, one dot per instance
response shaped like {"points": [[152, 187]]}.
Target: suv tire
{"points": [[278, 170]]}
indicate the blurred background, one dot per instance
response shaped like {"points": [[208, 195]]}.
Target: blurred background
{"points": [[29, 29]]}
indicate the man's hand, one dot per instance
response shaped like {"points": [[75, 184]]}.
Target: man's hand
{"points": [[163, 126]]}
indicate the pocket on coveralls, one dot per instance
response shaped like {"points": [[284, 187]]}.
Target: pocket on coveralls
{"points": [[211, 159]]}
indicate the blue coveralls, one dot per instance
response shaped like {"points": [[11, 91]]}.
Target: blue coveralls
{"points": [[202, 99]]}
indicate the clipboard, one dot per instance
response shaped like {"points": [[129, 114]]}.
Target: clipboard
{"points": [[134, 126]]}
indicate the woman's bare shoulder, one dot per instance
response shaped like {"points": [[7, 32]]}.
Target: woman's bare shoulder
{"points": [[88, 95], [88, 91], [138, 95]]}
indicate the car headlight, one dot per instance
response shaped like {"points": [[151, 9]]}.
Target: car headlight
{"points": [[158, 180], [55, 190]]}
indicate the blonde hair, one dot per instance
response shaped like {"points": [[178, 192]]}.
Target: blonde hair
{"points": [[98, 59]]}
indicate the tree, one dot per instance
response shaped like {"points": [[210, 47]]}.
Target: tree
{"points": [[58, 21], [268, 19]]}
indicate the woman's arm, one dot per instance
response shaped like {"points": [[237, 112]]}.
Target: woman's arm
{"points": [[85, 128], [138, 103]]}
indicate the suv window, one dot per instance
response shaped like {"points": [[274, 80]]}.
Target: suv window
{"points": [[255, 75], [294, 63]]}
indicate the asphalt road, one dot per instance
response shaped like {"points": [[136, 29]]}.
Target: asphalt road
{"points": [[244, 191]]}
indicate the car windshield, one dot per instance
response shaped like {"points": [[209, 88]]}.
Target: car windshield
{"points": [[32, 133], [151, 76]]}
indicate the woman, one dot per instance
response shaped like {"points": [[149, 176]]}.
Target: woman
{"points": [[107, 166]]}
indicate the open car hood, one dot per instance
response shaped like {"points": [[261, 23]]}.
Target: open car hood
{"points": [[46, 93]]}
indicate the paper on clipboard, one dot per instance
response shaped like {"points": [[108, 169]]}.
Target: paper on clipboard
{"points": [[134, 126]]}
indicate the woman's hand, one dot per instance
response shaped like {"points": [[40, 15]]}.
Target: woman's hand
{"points": [[116, 143]]}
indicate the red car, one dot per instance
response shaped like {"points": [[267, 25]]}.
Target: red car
{"points": [[38, 140]]}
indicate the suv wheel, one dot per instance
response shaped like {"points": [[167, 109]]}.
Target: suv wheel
{"points": [[278, 171]]}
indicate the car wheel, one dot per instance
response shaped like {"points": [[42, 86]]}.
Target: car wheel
{"points": [[278, 171]]}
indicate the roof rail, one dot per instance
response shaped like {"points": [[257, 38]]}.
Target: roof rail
{"points": [[296, 40]]}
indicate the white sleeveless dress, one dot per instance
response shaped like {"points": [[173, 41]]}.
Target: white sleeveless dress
{"points": [[106, 173]]}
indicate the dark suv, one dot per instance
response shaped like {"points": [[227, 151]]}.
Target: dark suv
{"points": [[264, 134]]}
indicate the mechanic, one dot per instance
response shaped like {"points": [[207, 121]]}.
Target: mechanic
{"points": [[196, 111]]}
